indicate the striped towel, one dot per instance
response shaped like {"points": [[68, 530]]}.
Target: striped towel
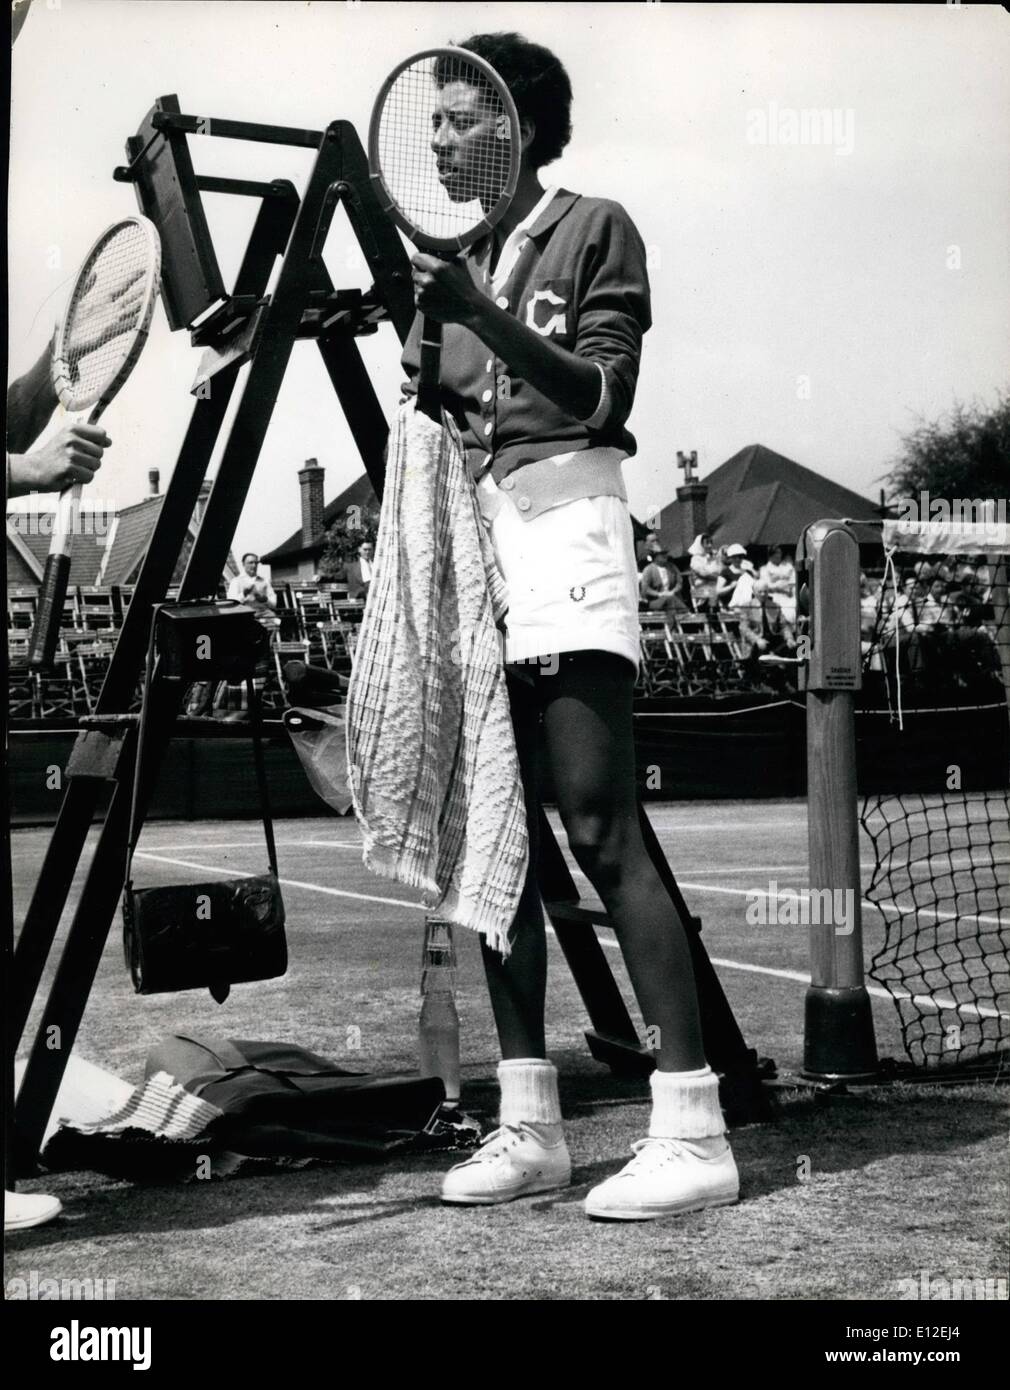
{"points": [[431, 754], [161, 1107]]}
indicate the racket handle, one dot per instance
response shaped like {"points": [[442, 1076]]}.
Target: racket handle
{"points": [[49, 614], [428, 393]]}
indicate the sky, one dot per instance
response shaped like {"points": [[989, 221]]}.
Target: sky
{"points": [[819, 284]]}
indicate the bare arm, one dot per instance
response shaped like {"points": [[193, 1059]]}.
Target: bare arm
{"points": [[31, 400]]}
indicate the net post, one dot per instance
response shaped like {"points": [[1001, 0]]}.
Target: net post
{"points": [[839, 1043], [1000, 597]]}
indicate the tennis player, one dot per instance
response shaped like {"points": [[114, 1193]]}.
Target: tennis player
{"points": [[544, 322], [73, 456]]}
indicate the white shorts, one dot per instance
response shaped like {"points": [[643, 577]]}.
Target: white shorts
{"points": [[572, 577]]}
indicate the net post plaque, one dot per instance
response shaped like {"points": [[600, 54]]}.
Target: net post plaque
{"points": [[831, 553]]}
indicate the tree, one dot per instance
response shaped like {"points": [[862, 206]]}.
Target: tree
{"points": [[343, 538], [966, 456]]}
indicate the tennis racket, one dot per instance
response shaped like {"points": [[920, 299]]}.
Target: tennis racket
{"points": [[97, 345], [444, 148]]}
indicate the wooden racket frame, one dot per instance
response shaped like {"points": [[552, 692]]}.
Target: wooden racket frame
{"points": [[53, 590], [428, 394], [424, 240]]}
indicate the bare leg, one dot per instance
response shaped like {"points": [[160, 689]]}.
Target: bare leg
{"points": [[518, 985], [588, 720]]}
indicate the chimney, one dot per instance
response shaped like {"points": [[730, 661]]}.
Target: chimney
{"points": [[693, 498], [201, 504], [153, 480], [310, 480]]}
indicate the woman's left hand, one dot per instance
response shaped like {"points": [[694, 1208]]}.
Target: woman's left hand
{"points": [[443, 290]]}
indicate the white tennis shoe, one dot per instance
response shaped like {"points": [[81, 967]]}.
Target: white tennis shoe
{"points": [[25, 1209], [512, 1162], [667, 1177]]}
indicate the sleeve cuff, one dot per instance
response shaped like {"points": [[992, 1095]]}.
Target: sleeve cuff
{"points": [[601, 414]]}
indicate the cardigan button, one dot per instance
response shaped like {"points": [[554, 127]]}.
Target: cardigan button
{"points": [[502, 302], [490, 365], [489, 427], [486, 395], [508, 483], [523, 503]]}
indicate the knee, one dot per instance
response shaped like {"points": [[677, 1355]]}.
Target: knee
{"points": [[600, 848]]}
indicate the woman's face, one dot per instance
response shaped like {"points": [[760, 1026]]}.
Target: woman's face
{"points": [[469, 139]]}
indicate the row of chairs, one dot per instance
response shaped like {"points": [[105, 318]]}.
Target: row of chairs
{"points": [[85, 609], [94, 608], [682, 654], [690, 653]]}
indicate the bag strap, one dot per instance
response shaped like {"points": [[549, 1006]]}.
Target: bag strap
{"points": [[261, 780], [261, 776], [133, 834]]}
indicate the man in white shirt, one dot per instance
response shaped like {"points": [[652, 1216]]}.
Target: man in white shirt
{"points": [[254, 591], [359, 571]]}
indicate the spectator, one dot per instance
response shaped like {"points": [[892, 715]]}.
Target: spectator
{"points": [[705, 569], [358, 574], [869, 609], [72, 456], [902, 629], [647, 549], [731, 571], [934, 609], [657, 587], [778, 575], [254, 591]]}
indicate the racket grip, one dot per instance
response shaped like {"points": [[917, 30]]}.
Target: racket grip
{"points": [[49, 614], [428, 392]]}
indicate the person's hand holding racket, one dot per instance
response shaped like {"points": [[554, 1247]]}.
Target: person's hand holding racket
{"points": [[442, 289], [72, 456], [96, 347]]}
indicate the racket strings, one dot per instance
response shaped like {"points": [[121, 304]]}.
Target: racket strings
{"points": [[105, 312], [444, 145]]}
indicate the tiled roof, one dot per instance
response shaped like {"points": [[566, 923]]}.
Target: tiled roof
{"points": [[760, 497], [130, 533], [359, 494]]}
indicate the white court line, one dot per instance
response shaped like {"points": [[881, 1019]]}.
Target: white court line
{"points": [[927, 1001], [256, 844], [728, 825], [285, 882]]}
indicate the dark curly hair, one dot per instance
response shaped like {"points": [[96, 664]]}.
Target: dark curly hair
{"points": [[540, 88]]}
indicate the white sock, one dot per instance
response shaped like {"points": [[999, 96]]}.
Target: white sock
{"points": [[685, 1105], [529, 1094]]}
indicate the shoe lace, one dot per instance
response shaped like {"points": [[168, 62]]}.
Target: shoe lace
{"points": [[652, 1153], [500, 1139]]}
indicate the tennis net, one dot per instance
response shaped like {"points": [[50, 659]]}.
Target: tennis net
{"points": [[936, 670]]}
